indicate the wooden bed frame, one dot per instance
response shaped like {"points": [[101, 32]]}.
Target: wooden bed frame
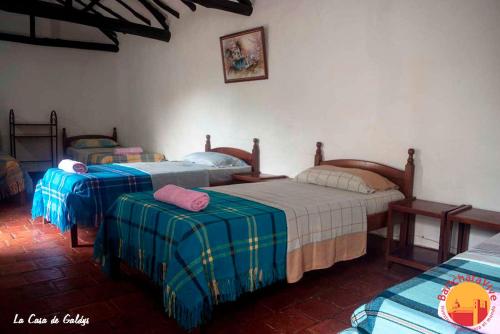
{"points": [[253, 159], [403, 178], [66, 141]]}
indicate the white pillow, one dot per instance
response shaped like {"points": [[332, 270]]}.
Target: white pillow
{"points": [[214, 159]]}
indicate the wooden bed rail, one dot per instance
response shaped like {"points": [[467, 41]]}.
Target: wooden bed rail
{"points": [[251, 158], [403, 178], [68, 140]]}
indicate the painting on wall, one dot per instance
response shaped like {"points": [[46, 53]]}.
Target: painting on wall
{"points": [[244, 56]]}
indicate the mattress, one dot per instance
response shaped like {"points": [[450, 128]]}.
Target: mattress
{"points": [[287, 191], [221, 175], [325, 225], [83, 154], [186, 174]]}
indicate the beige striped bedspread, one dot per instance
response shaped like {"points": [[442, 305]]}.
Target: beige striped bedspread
{"points": [[325, 225]]}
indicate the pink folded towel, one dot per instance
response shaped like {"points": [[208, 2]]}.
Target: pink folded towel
{"points": [[184, 198], [128, 150], [72, 166]]}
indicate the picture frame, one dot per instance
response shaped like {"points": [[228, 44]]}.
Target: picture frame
{"points": [[244, 56]]}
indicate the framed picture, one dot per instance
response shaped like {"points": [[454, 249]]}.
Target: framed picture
{"points": [[244, 56]]}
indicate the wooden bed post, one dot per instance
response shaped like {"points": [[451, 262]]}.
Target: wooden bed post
{"points": [[318, 157], [115, 134], [409, 174], [256, 157], [74, 236], [208, 145]]}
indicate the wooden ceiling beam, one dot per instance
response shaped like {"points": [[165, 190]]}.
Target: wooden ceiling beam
{"points": [[226, 5], [108, 33], [106, 9], [91, 4], [134, 12], [166, 7], [162, 20], [111, 35], [56, 12], [59, 43], [191, 5]]}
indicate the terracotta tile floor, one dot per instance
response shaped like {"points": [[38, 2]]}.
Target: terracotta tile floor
{"points": [[41, 274]]}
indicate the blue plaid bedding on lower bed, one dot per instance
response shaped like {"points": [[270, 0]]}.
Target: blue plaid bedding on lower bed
{"points": [[412, 306], [66, 199], [199, 258]]}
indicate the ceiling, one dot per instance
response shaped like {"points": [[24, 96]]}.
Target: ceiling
{"points": [[145, 18]]}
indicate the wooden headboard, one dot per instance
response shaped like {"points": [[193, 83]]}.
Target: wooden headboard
{"points": [[68, 140], [253, 159], [403, 178]]}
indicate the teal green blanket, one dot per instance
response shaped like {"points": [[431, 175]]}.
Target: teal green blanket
{"points": [[413, 306], [200, 259]]}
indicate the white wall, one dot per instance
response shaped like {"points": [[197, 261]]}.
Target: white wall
{"points": [[368, 78], [80, 85]]}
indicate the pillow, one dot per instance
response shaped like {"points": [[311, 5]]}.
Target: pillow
{"points": [[94, 143], [214, 159], [372, 179], [351, 179]]}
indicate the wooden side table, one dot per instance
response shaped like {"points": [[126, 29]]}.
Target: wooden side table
{"points": [[407, 253], [250, 177], [466, 218]]}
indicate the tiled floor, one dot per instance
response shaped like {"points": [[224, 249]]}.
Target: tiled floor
{"points": [[41, 274]]}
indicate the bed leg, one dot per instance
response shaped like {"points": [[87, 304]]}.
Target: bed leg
{"points": [[114, 268], [74, 236], [203, 329]]}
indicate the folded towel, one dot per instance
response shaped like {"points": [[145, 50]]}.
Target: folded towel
{"points": [[72, 166], [184, 198], [128, 150]]}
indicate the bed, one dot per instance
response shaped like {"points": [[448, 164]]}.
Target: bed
{"points": [[103, 155], [413, 306], [66, 199], [14, 182], [250, 236], [402, 178]]}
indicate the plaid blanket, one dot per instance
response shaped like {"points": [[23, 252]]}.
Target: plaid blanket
{"points": [[106, 158], [200, 258], [412, 306], [11, 176], [66, 199]]}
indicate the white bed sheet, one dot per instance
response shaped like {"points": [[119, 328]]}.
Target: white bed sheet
{"points": [[186, 174]]}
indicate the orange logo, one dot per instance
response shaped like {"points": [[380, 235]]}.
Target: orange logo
{"points": [[468, 304], [468, 301]]}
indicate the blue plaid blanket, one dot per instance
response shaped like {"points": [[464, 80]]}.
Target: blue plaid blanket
{"points": [[412, 306], [66, 199], [199, 258]]}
